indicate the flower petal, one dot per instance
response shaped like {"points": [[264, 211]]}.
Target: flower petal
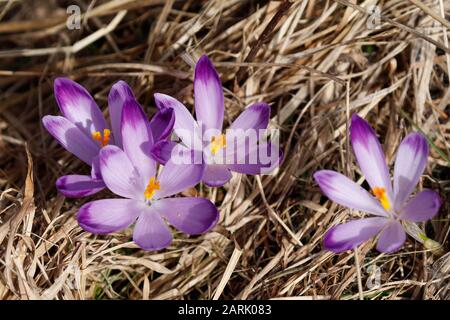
{"points": [[119, 175], [119, 93], [189, 215], [254, 117], [77, 105], [162, 150], [216, 175], [370, 155], [78, 186], [162, 124], [185, 127], [108, 215], [342, 190], [424, 206], [391, 238], [71, 137], [262, 158], [151, 232], [176, 177], [410, 163], [137, 139], [209, 106], [349, 235]]}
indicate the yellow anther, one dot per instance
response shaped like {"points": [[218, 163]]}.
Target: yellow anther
{"points": [[104, 140], [381, 195], [152, 186], [217, 143]]}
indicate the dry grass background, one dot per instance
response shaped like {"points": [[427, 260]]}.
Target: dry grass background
{"points": [[298, 56]]}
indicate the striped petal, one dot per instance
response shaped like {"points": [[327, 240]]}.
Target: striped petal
{"points": [[424, 206], [71, 138], [410, 163], [77, 105], [209, 105], [370, 155], [342, 190], [349, 235]]}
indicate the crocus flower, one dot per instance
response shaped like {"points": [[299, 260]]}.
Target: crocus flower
{"points": [[209, 109], [131, 173], [83, 130], [389, 205]]}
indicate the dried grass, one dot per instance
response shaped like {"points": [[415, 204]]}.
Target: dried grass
{"points": [[298, 56]]}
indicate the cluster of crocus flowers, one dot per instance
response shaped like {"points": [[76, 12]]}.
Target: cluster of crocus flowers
{"points": [[83, 131], [124, 157], [390, 205]]}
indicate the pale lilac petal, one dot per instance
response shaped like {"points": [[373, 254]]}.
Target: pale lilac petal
{"points": [[137, 139], [349, 235], [77, 105], [391, 238], [424, 206], [342, 190], [96, 173], [216, 175], [185, 127], [71, 138], [151, 232], [254, 117], [410, 163], [119, 93], [370, 155], [108, 215], [189, 215], [119, 175], [78, 186], [209, 106], [162, 150], [162, 124], [261, 158], [176, 177]]}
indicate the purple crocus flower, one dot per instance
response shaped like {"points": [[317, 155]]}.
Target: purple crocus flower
{"points": [[213, 144], [83, 130], [131, 173], [390, 205]]}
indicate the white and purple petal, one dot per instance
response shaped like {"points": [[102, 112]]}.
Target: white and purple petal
{"points": [[185, 127], [189, 215], [108, 215], [162, 150], [71, 138], [78, 106], [255, 117], [119, 174], [176, 177], [162, 124], [349, 235], [78, 186], [410, 163], [342, 190], [216, 175], [208, 92], [151, 232], [261, 158], [424, 206], [119, 93], [392, 237], [137, 139], [370, 155]]}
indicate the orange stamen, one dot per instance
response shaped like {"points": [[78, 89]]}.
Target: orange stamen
{"points": [[381, 195], [217, 143], [104, 140], [152, 186]]}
